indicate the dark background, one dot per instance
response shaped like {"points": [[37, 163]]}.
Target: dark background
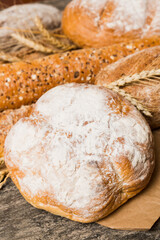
{"points": [[19, 220]]}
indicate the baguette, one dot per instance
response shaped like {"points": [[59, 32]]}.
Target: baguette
{"points": [[147, 92], [22, 83]]}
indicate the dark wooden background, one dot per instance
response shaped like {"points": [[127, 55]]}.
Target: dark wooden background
{"points": [[19, 220]]}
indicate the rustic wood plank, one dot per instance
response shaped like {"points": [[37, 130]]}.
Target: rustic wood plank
{"points": [[19, 220]]}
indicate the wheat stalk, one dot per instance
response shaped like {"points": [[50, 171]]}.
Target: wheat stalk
{"points": [[131, 99], [31, 43], [151, 77], [4, 175], [1, 161], [53, 40], [138, 77], [8, 58], [42, 29]]}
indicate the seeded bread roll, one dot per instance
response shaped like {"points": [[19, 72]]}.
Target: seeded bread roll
{"points": [[82, 153], [99, 23], [22, 83]]}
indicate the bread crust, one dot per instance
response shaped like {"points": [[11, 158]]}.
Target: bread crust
{"points": [[148, 93], [82, 152], [7, 119], [90, 23], [22, 17]]}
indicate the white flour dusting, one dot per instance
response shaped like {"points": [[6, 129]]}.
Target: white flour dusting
{"points": [[68, 146], [23, 16], [125, 15]]}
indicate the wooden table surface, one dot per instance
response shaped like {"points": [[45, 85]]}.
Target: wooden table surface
{"points": [[19, 220]]}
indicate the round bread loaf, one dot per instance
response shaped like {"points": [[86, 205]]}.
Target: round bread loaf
{"points": [[82, 152], [20, 17], [97, 23]]}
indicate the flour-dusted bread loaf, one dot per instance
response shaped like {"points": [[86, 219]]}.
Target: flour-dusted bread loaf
{"points": [[98, 23], [82, 152], [147, 91], [23, 83], [22, 17]]}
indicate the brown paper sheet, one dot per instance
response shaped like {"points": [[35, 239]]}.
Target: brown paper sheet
{"points": [[142, 211]]}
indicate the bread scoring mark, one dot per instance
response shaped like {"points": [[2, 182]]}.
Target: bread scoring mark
{"points": [[122, 16]]}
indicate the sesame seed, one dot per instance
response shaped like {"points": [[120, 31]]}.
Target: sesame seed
{"points": [[57, 66], [129, 46], [34, 76], [112, 57], [88, 78], [8, 79], [20, 98]]}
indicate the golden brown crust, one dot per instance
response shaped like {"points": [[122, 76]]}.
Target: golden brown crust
{"points": [[103, 23], [94, 162], [149, 93], [23, 83]]}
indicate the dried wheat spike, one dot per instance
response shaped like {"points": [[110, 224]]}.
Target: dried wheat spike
{"points": [[136, 103], [1, 162], [57, 43], [138, 77], [4, 173], [8, 58], [3, 177], [31, 44]]}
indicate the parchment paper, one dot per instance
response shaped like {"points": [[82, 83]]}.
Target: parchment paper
{"points": [[142, 211]]}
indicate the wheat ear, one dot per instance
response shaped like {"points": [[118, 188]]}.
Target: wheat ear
{"points": [[31, 44], [53, 40], [135, 102], [1, 162], [4, 173], [138, 77], [152, 76], [8, 58]]}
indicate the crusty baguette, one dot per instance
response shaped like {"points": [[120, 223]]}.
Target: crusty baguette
{"points": [[7, 119], [147, 93], [23, 83]]}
